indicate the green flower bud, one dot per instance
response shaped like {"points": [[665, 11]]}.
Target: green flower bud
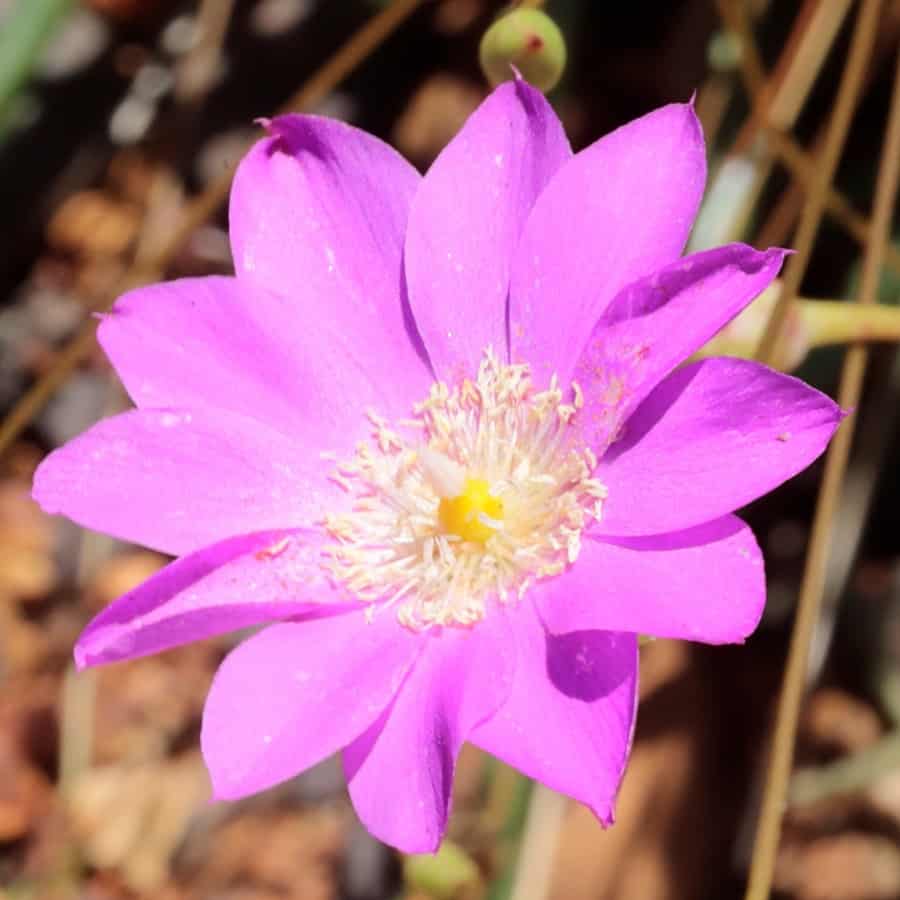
{"points": [[442, 875], [529, 40]]}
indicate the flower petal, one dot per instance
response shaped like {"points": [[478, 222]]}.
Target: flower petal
{"points": [[177, 481], [224, 343], [401, 771], [618, 211], [713, 436], [569, 719], [298, 692], [465, 223], [704, 584], [242, 581], [318, 215], [656, 323]]}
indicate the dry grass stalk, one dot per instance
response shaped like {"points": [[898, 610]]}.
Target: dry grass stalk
{"points": [[864, 36], [768, 832]]}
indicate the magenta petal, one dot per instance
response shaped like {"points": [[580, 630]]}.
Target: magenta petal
{"points": [[224, 343], [400, 772], [704, 584], [241, 581], [465, 223], [177, 481], [298, 692], [657, 322], [713, 436], [569, 719], [618, 211], [318, 215]]}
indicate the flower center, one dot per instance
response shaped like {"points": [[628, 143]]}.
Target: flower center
{"points": [[485, 490], [472, 515]]}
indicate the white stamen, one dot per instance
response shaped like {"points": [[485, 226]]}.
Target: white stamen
{"points": [[446, 477], [391, 549]]}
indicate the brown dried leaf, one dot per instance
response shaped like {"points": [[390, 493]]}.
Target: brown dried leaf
{"points": [[836, 721], [848, 866], [25, 793], [94, 223], [119, 574], [144, 705], [133, 818], [291, 852]]}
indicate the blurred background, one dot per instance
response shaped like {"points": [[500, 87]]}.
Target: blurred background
{"points": [[120, 123]]}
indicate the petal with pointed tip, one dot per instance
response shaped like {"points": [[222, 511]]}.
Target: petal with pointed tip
{"points": [[466, 220], [617, 211], [242, 581]]}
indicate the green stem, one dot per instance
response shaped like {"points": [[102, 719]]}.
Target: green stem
{"points": [[835, 322]]}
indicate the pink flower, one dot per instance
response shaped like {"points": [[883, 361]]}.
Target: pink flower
{"points": [[435, 430]]}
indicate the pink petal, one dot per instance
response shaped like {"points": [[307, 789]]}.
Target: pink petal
{"points": [[570, 717], [704, 584], [400, 772], [177, 481], [318, 215], [618, 211], [298, 692], [713, 436], [236, 583], [657, 322], [228, 344], [466, 220]]}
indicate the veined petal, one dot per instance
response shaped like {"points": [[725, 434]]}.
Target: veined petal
{"points": [[400, 772], [242, 581], [704, 584], [318, 215], [297, 692], [657, 322], [225, 343], [569, 719], [617, 211], [710, 438], [177, 480], [466, 220]]}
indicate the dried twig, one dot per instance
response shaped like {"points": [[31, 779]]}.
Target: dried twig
{"points": [[848, 94], [769, 829], [537, 850], [198, 70], [802, 166]]}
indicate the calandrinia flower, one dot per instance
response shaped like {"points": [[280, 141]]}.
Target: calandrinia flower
{"points": [[434, 430]]}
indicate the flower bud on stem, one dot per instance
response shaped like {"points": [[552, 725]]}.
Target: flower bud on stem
{"points": [[527, 40]]}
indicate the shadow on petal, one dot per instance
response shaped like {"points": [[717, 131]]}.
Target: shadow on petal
{"points": [[588, 665]]}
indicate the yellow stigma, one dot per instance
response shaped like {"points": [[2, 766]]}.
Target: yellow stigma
{"points": [[469, 514]]}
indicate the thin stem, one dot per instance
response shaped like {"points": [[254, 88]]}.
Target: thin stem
{"points": [[848, 94], [540, 839], [355, 51], [802, 166], [836, 322], [784, 91], [769, 828], [197, 71], [808, 56], [734, 14]]}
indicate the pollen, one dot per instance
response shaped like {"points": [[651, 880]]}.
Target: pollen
{"points": [[484, 491], [472, 515]]}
